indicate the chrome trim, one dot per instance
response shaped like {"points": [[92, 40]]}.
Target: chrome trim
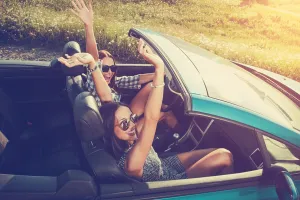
{"points": [[202, 132], [261, 164], [187, 133]]}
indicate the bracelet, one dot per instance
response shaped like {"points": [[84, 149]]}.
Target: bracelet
{"points": [[157, 86], [94, 69]]}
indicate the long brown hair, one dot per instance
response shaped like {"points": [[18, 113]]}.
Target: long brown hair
{"points": [[108, 110], [105, 54]]}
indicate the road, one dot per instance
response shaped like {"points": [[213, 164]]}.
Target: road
{"points": [[14, 52]]}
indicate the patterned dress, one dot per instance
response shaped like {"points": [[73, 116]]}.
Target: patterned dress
{"points": [[158, 169], [128, 82]]}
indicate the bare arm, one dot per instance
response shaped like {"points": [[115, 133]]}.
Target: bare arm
{"points": [[86, 15], [137, 156], [145, 78], [102, 88], [91, 45]]}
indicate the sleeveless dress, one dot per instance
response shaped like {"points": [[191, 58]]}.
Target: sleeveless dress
{"points": [[158, 169]]}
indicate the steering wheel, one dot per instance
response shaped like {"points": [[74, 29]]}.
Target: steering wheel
{"points": [[170, 96]]}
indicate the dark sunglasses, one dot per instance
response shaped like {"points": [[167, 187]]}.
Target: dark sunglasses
{"points": [[105, 68], [124, 124]]}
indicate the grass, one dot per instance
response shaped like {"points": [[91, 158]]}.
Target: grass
{"points": [[263, 36]]}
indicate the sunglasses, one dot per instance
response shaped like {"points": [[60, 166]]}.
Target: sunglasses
{"points": [[124, 124], [105, 68]]}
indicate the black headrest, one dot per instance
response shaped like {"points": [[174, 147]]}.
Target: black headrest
{"points": [[87, 118]]}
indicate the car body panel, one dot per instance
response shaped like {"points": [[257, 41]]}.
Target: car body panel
{"points": [[247, 193], [232, 112], [23, 63], [197, 67]]}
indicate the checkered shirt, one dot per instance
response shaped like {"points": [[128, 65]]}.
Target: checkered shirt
{"points": [[128, 82]]}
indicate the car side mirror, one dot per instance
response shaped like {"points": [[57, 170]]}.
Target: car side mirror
{"points": [[285, 186]]}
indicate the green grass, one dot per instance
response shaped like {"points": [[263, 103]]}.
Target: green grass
{"points": [[267, 37]]}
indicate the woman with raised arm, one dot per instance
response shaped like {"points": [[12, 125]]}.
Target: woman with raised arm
{"points": [[132, 146], [108, 69]]}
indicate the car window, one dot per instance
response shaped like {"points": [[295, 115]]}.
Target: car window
{"points": [[282, 154]]}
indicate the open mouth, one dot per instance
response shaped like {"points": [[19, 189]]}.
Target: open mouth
{"points": [[132, 133], [107, 79]]}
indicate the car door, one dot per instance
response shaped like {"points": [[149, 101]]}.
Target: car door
{"points": [[275, 153], [37, 92], [255, 182]]}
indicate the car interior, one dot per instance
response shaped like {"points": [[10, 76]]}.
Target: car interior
{"points": [[55, 136]]}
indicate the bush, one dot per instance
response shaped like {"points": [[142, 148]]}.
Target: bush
{"points": [[258, 38]]}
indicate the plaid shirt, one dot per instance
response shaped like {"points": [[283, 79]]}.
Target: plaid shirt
{"points": [[129, 82]]}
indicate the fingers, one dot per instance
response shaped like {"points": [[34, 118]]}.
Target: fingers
{"points": [[75, 6], [90, 5], [67, 56], [74, 12], [63, 61], [148, 50], [83, 4], [79, 4], [141, 46]]}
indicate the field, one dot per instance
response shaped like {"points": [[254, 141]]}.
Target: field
{"points": [[263, 36]]}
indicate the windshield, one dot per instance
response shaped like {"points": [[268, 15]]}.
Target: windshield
{"points": [[227, 82]]}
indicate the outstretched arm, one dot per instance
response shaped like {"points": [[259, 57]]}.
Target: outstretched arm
{"points": [[145, 78], [137, 156], [102, 88], [86, 15]]}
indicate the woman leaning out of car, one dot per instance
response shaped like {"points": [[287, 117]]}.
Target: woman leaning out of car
{"points": [[132, 139]]}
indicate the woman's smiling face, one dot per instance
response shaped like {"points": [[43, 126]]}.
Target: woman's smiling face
{"points": [[125, 127], [108, 75]]}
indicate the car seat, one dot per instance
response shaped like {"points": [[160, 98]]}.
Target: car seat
{"points": [[89, 126]]}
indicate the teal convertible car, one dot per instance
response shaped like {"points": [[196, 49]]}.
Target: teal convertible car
{"points": [[52, 133]]}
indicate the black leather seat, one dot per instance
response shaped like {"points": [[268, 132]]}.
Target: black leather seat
{"points": [[75, 86], [90, 130]]}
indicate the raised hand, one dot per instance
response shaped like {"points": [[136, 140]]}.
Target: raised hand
{"points": [[149, 56], [77, 59], [86, 14]]}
